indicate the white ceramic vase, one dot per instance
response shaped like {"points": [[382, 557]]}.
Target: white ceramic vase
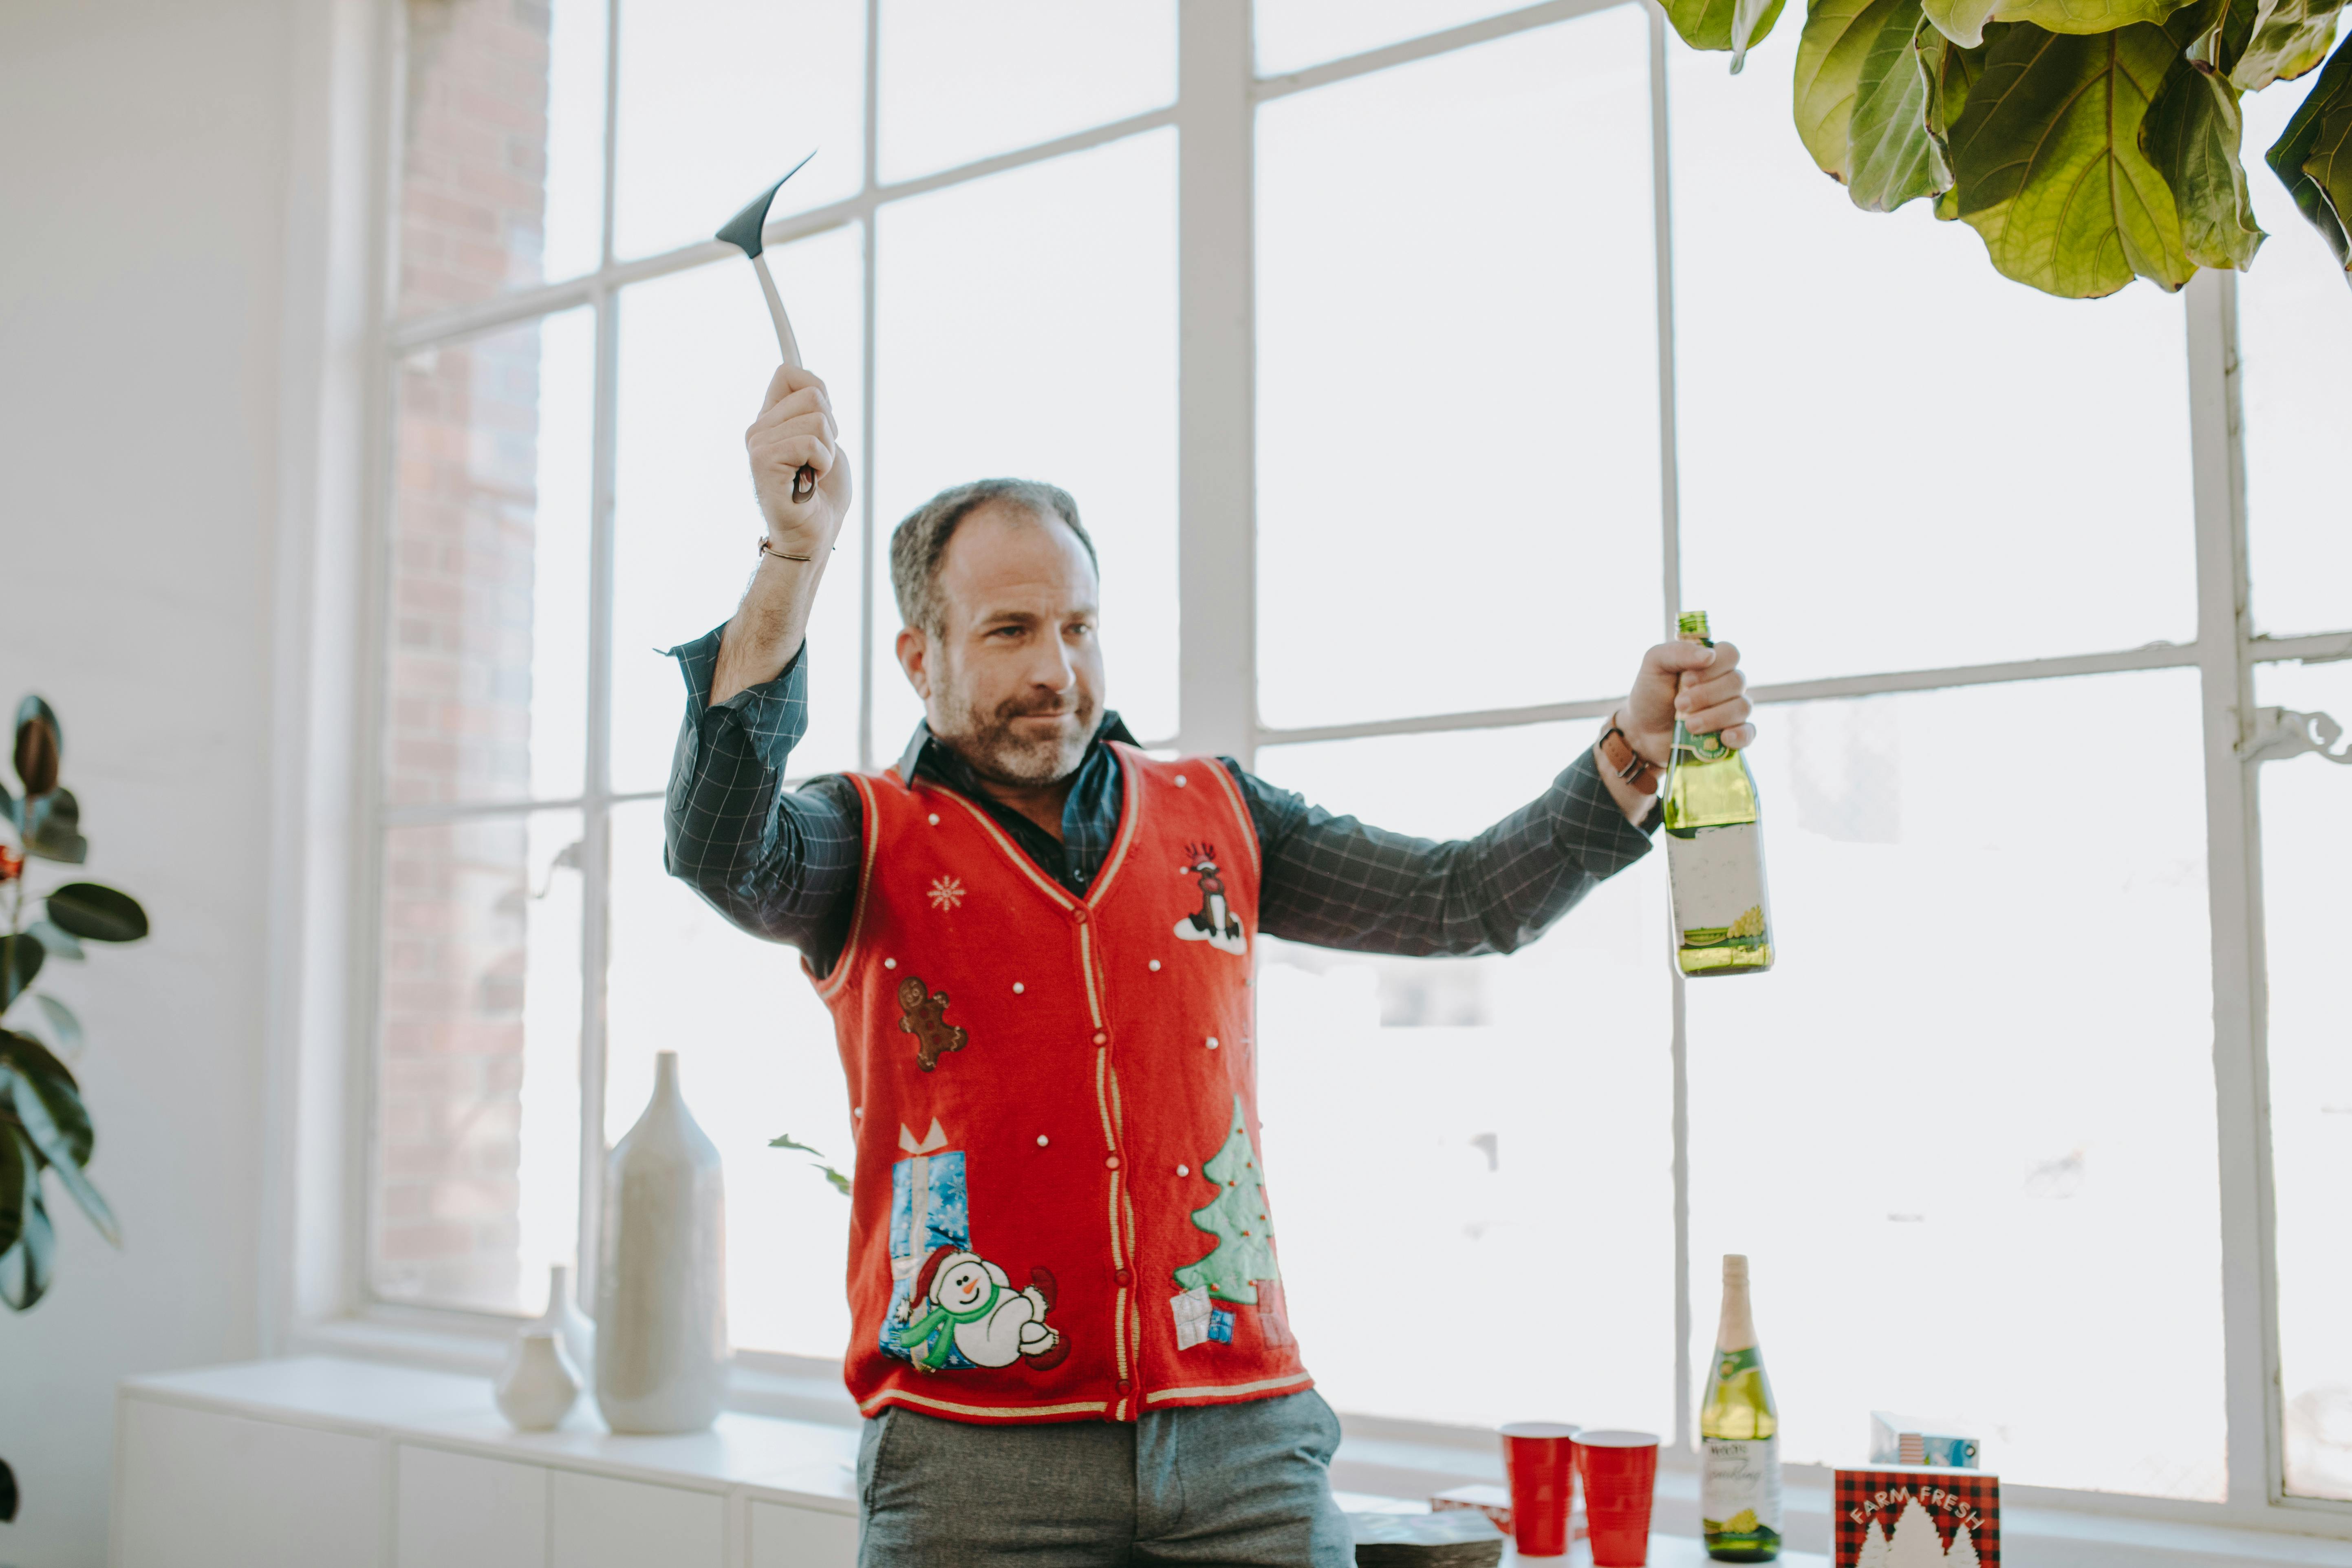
{"points": [[536, 1387], [566, 1322], [661, 1286]]}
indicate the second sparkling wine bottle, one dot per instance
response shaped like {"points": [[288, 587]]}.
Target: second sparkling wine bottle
{"points": [[1739, 1443], [1715, 857]]}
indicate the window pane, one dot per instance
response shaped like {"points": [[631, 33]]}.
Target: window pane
{"points": [[720, 97], [2306, 844], [1966, 1128], [502, 167], [756, 1059], [1531, 1159], [696, 351], [1295, 34], [1457, 380], [478, 1090], [2295, 338], [1823, 370], [487, 685], [1027, 325], [962, 82]]}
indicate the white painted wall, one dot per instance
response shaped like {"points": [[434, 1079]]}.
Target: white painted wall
{"points": [[144, 177]]}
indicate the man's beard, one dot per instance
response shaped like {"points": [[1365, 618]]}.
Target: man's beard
{"points": [[1001, 755]]}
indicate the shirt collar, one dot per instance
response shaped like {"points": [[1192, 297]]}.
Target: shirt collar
{"points": [[924, 746]]}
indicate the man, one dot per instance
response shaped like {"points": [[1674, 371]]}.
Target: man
{"points": [[1069, 1335]]}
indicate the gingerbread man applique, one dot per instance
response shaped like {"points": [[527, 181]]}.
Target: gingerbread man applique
{"points": [[926, 1018]]}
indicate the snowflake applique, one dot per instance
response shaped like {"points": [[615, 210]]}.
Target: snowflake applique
{"points": [[947, 893]]}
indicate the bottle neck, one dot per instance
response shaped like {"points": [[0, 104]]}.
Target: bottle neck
{"points": [[1693, 748], [1737, 1330]]}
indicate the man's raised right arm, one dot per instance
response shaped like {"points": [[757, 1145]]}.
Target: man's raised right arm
{"points": [[781, 864]]}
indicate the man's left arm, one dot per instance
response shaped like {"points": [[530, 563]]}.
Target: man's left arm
{"points": [[1339, 882]]}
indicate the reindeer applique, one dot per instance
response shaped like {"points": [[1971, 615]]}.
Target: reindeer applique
{"points": [[925, 1017], [1215, 921]]}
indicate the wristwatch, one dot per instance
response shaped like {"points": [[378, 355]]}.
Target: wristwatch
{"points": [[1617, 754]]}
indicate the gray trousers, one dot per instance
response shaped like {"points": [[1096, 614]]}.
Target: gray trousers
{"points": [[1227, 1484]]}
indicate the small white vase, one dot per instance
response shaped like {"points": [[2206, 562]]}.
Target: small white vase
{"points": [[566, 1322], [538, 1388], [661, 1283]]}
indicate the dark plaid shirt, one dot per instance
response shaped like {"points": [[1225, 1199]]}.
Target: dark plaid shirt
{"points": [[782, 864]]}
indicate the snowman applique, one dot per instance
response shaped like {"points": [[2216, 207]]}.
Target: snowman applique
{"points": [[962, 1303], [1215, 921]]}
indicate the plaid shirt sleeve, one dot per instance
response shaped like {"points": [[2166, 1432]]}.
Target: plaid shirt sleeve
{"points": [[1336, 882], [782, 864]]}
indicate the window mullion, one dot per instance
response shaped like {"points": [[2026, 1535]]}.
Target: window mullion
{"points": [[866, 616], [2241, 1099], [1217, 566]]}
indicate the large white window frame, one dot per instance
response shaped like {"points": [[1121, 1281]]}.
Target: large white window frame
{"points": [[1214, 114]]}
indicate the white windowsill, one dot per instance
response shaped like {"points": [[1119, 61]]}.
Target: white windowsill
{"points": [[1384, 1457]]}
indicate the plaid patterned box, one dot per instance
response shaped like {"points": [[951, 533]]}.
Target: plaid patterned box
{"points": [[1907, 1516]]}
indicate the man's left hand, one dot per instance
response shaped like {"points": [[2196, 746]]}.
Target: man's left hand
{"points": [[1702, 686]]}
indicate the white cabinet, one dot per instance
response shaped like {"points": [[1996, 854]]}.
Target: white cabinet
{"points": [[200, 1489], [600, 1522], [784, 1537], [460, 1510]]}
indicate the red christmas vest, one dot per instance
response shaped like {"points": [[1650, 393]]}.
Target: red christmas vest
{"points": [[1057, 1212]]}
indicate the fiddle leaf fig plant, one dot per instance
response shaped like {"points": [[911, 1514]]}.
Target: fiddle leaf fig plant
{"points": [[2087, 141], [45, 1127]]}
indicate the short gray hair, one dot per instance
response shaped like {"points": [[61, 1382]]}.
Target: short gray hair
{"points": [[920, 543]]}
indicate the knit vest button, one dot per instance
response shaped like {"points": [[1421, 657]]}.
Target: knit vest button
{"points": [[1122, 1386], [1112, 1161], [1124, 1276], [1079, 913]]}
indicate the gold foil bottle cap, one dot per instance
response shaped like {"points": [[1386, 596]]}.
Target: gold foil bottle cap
{"points": [[1691, 625]]}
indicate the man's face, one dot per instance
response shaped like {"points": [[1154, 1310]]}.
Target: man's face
{"points": [[1014, 681]]}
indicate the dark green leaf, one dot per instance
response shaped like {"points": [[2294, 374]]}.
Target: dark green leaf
{"points": [[51, 1082], [20, 960], [2191, 136], [39, 739], [2257, 42], [2312, 157], [1829, 52], [1734, 24], [17, 1170], [64, 1027], [24, 1269], [57, 1145], [60, 941], [786, 1141], [96, 913], [52, 826], [1894, 156], [2049, 164]]}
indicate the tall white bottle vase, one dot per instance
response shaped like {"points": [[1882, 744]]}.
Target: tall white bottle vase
{"points": [[661, 1287], [566, 1322]]}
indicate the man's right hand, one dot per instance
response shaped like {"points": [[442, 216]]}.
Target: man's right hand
{"points": [[796, 428]]}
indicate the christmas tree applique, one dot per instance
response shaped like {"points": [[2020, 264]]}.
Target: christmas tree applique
{"points": [[1237, 1217]]}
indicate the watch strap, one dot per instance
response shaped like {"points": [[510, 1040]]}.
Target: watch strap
{"points": [[1617, 754]]}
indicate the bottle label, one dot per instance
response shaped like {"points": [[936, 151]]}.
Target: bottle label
{"points": [[1739, 1485], [1718, 886], [1698, 748]]}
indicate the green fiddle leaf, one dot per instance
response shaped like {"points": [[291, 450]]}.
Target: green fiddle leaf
{"points": [[1894, 154], [2313, 158], [2191, 136], [1830, 53], [1954, 76], [63, 1024], [39, 743], [2047, 157], [1964, 21], [43, 1084], [20, 960], [2257, 42], [53, 1143], [25, 1268], [1732, 25], [52, 828], [17, 1170], [96, 913], [61, 943]]}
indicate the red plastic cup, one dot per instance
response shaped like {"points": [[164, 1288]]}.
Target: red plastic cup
{"points": [[1540, 1457], [1621, 1473]]}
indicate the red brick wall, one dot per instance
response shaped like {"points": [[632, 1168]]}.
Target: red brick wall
{"points": [[458, 709]]}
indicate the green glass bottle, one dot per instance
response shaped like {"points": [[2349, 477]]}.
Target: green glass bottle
{"points": [[1715, 853], [1739, 1443]]}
